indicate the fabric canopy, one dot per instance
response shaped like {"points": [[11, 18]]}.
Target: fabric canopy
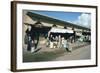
{"points": [[59, 30]]}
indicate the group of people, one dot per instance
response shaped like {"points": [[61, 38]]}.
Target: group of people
{"points": [[31, 39], [53, 40], [58, 42]]}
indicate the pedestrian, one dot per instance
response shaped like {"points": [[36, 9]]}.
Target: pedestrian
{"points": [[69, 47], [29, 44], [47, 42], [51, 41], [59, 41], [62, 42], [32, 46]]}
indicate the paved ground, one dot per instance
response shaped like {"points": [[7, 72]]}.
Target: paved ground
{"points": [[77, 54], [80, 51]]}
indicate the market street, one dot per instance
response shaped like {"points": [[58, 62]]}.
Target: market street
{"points": [[56, 54]]}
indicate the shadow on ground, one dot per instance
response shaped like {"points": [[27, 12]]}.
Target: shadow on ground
{"points": [[42, 56]]}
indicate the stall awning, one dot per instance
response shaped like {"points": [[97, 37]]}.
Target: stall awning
{"points": [[59, 30]]}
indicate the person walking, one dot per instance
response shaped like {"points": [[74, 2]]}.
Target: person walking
{"points": [[59, 41]]}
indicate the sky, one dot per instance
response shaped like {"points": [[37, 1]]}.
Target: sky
{"points": [[78, 18]]}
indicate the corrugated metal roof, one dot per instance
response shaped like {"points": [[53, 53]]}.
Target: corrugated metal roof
{"points": [[47, 19]]}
